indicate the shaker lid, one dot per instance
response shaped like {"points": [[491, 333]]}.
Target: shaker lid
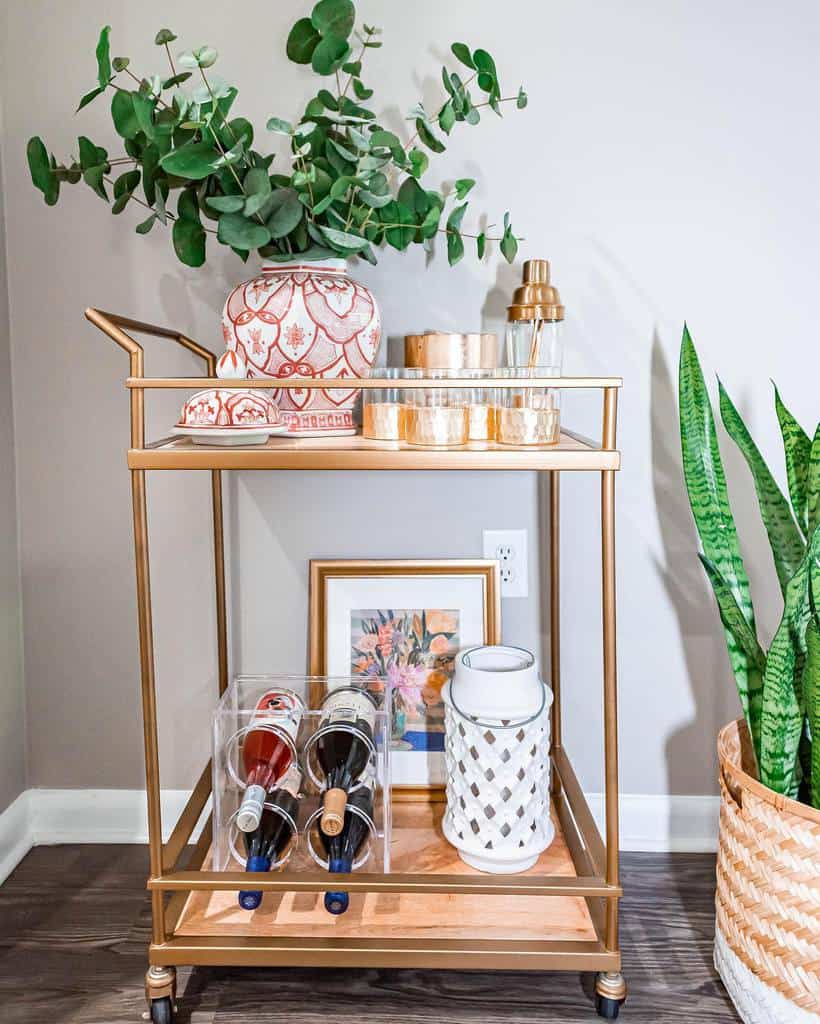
{"points": [[536, 298]]}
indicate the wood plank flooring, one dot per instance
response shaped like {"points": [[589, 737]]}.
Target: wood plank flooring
{"points": [[74, 925]]}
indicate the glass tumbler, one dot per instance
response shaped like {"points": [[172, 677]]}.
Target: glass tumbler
{"points": [[384, 409], [482, 403], [529, 415], [436, 417]]}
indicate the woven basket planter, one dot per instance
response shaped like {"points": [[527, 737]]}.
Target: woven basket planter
{"points": [[767, 936]]}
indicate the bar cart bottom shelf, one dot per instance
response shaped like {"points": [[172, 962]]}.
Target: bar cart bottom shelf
{"points": [[421, 922]]}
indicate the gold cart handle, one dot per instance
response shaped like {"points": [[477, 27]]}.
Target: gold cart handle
{"points": [[114, 326]]}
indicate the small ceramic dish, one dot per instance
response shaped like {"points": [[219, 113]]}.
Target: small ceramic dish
{"points": [[224, 416]]}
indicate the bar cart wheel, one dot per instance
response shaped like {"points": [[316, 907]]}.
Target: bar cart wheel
{"points": [[610, 994], [162, 1010]]}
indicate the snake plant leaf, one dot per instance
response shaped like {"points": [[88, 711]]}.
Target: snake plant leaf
{"points": [[785, 538], [813, 484], [811, 696], [782, 718], [709, 500], [797, 448], [732, 617]]}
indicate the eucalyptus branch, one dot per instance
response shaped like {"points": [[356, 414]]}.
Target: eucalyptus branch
{"points": [[440, 110], [140, 202], [154, 96]]}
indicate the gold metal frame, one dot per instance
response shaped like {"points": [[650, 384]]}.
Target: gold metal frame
{"points": [[323, 570], [175, 873]]}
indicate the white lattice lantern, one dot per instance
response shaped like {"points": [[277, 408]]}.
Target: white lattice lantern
{"points": [[497, 737]]}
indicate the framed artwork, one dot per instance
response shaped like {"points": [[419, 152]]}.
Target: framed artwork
{"points": [[404, 621]]}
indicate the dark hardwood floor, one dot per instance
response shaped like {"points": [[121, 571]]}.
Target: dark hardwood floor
{"points": [[74, 925]]}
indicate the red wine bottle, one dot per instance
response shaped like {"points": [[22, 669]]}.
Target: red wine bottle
{"points": [[343, 849], [277, 827], [266, 752], [343, 749]]}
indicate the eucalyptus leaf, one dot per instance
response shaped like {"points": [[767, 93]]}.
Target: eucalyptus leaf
{"points": [[362, 93], [103, 54], [279, 126], [226, 204], [462, 53], [455, 247], [302, 41], [329, 55], [164, 36], [427, 137], [343, 239], [189, 242], [481, 245], [145, 226], [334, 18], [521, 99], [42, 175], [120, 63], [419, 162], [196, 160], [447, 118], [123, 115], [287, 213], [509, 246], [463, 186], [89, 96], [236, 230], [174, 80]]}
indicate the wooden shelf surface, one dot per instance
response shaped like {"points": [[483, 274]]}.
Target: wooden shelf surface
{"points": [[418, 846], [571, 453]]}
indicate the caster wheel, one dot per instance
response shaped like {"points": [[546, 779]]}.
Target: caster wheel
{"points": [[162, 1011], [608, 1008]]}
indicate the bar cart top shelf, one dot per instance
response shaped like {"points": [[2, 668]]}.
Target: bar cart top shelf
{"points": [[571, 453]]}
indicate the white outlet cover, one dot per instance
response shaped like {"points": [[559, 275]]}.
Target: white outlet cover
{"points": [[516, 541]]}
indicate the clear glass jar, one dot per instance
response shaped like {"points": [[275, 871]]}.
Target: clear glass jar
{"points": [[482, 403], [529, 416], [436, 417], [535, 342], [383, 409]]}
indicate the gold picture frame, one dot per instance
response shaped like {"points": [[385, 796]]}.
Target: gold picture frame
{"points": [[323, 573]]}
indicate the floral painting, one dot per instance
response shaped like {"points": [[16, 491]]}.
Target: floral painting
{"points": [[414, 649]]}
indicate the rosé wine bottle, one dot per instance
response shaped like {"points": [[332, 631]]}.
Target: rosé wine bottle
{"points": [[268, 751]]}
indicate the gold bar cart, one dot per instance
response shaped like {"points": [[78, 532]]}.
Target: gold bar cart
{"points": [[560, 915]]}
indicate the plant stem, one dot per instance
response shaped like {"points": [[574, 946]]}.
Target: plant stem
{"points": [[170, 60], [231, 132]]}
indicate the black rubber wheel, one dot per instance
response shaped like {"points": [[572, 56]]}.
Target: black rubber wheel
{"points": [[607, 1008], [162, 1010]]}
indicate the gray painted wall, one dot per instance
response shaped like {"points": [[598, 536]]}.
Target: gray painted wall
{"points": [[12, 704], [665, 168]]}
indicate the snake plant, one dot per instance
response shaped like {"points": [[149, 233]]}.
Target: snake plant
{"points": [[779, 688]]}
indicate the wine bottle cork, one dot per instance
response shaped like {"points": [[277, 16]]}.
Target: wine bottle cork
{"points": [[333, 812]]}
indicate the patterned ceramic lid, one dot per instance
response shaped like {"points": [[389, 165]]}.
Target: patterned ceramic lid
{"points": [[224, 407]]}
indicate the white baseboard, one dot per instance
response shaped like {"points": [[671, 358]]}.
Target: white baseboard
{"points": [[42, 817], [15, 834]]}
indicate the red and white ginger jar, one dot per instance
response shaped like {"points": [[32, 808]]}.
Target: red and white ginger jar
{"points": [[305, 320]]}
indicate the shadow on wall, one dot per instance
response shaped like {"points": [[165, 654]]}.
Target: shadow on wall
{"points": [[681, 573]]}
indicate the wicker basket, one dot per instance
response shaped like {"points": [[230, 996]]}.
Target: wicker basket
{"points": [[767, 944]]}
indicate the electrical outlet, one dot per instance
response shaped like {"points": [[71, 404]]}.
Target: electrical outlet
{"points": [[509, 547]]}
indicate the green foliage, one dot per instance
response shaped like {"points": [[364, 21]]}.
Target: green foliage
{"points": [[779, 689], [350, 184]]}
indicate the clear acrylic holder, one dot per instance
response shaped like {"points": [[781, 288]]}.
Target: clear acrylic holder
{"points": [[232, 718]]}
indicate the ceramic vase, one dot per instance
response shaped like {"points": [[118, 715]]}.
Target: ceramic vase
{"points": [[306, 320]]}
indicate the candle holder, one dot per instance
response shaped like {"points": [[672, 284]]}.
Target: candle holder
{"points": [[384, 411], [436, 417], [482, 406], [529, 416]]}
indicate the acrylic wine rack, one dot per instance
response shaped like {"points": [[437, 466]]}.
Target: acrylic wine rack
{"points": [[429, 910]]}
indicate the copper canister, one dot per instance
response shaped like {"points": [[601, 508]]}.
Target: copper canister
{"points": [[438, 350]]}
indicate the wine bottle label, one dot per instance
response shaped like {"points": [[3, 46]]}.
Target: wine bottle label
{"points": [[250, 810], [283, 707], [292, 780], [344, 705]]}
